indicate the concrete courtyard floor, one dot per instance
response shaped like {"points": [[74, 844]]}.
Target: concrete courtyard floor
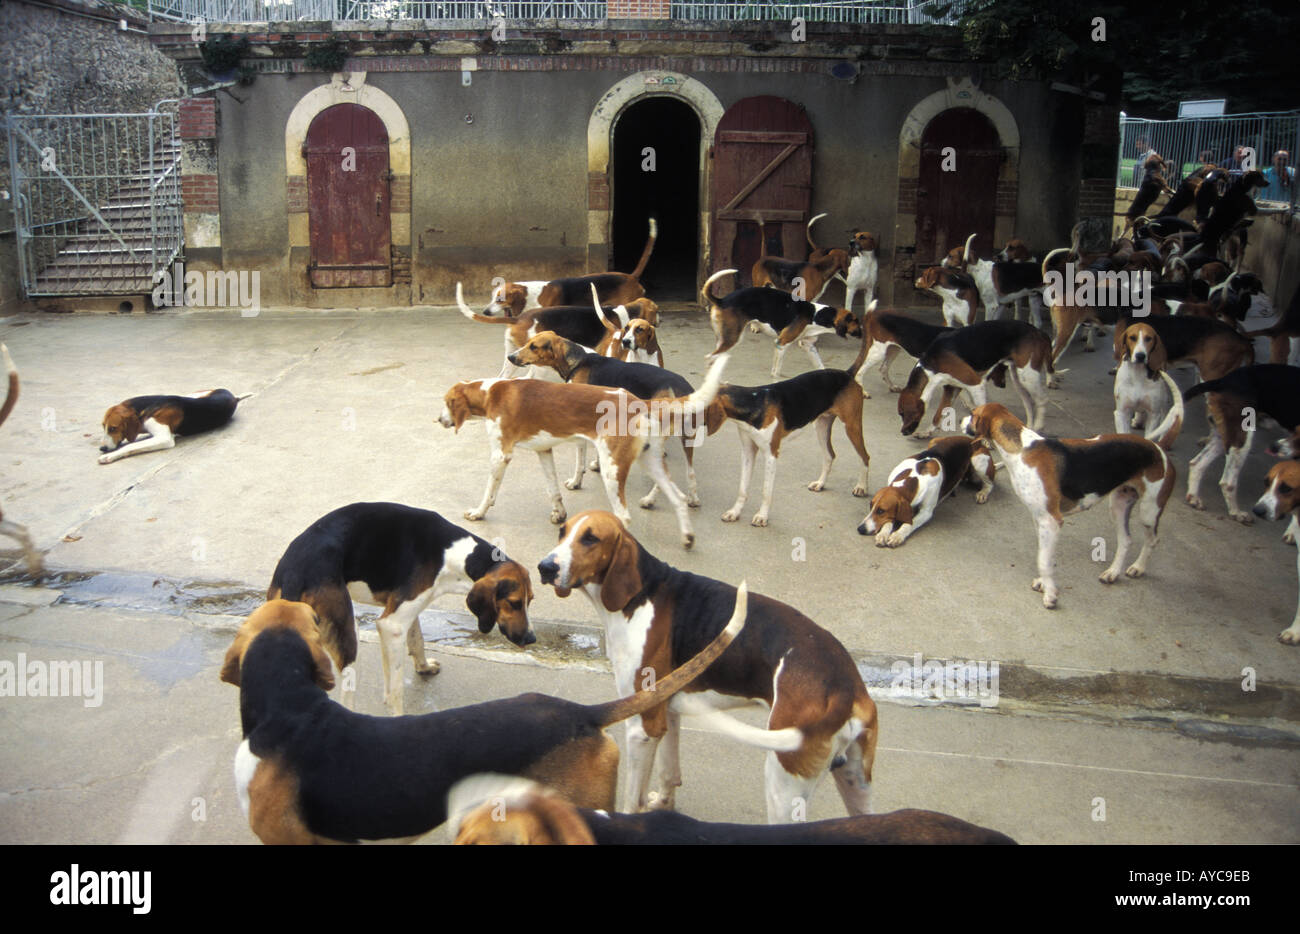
{"points": [[1140, 687]]}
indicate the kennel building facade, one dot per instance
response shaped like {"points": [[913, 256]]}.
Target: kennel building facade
{"points": [[438, 153]]}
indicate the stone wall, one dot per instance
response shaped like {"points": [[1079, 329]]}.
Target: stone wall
{"points": [[71, 56]]}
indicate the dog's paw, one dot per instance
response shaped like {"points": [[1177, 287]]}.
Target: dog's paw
{"points": [[1195, 501], [731, 515], [759, 521], [431, 667], [106, 458], [882, 537], [558, 515], [1088, 349], [1290, 636], [860, 491], [572, 484], [865, 394], [688, 540], [1049, 600], [1108, 576], [982, 496], [1135, 572], [473, 515], [896, 538], [657, 801], [1244, 518], [693, 500], [1289, 537], [816, 486], [896, 389], [647, 501]]}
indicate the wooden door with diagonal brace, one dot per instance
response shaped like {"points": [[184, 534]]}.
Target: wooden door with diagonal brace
{"points": [[762, 183]]}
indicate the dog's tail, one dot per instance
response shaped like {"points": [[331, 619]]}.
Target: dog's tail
{"points": [[623, 317], [474, 315], [1048, 258], [808, 232], [866, 342], [1210, 385], [11, 396], [706, 291], [966, 254], [664, 688], [649, 248], [1166, 432]]}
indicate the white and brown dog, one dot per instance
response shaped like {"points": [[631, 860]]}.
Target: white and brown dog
{"points": [[863, 265], [822, 718], [1141, 396], [1055, 478], [1282, 498], [512, 299], [8, 527], [921, 482], [956, 290], [161, 418]]}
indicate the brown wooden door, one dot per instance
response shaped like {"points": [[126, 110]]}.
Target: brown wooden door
{"points": [[762, 178], [348, 199], [952, 205]]}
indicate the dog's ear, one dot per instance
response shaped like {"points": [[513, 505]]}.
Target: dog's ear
{"points": [[560, 821], [622, 580], [1121, 329], [234, 657], [904, 514], [714, 416], [1157, 356], [482, 602], [458, 405], [131, 426], [573, 354]]}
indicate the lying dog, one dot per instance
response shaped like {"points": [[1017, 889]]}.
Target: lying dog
{"points": [[615, 288], [1282, 498], [162, 418], [655, 616], [578, 323], [920, 483], [312, 771], [498, 809], [766, 415], [1055, 478], [9, 528], [777, 314], [402, 559]]}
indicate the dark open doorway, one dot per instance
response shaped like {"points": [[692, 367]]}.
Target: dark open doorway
{"points": [[670, 193]]}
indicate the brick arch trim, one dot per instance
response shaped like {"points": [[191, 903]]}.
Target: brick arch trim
{"points": [[321, 98], [600, 136]]}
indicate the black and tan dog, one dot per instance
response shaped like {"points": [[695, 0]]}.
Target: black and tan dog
{"points": [[312, 771], [766, 415], [402, 559], [161, 418], [498, 810], [777, 314]]}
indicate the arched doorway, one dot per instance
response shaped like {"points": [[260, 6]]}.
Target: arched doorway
{"points": [[961, 157], [656, 173], [348, 199]]}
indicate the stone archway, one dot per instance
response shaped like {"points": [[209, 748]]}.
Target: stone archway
{"points": [[600, 134], [959, 93], [349, 88]]}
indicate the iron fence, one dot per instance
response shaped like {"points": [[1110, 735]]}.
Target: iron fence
{"points": [[261, 11], [97, 200], [1188, 143]]}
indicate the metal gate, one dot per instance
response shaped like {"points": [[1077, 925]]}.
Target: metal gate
{"points": [[97, 200]]}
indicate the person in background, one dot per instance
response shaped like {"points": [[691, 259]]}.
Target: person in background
{"points": [[1235, 165], [1280, 177], [1144, 152]]}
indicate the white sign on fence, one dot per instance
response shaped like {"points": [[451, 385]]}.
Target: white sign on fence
{"points": [[1201, 108]]}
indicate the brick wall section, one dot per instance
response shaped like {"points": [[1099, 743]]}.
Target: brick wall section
{"points": [[1006, 200], [907, 195], [399, 190], [638, 9], [1096, 197], [297, 186], [401, 267], [198, 118], [597, 192], [199, 193]]}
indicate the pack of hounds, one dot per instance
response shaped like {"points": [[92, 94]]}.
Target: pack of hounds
{"points": [[540, 769]]}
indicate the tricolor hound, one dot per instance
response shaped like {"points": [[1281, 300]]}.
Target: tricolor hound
{"points": [[1282, 498], [578, 323], [863, 268], [1055, 478], [538, 416], [1235, 403], [161, 418], [402, 559], [777, 314], [615, 288], [8, 527], [575, 364], [1004, 280], [920, 483], [1141, 396], [499, 810], [966, 357], [888, 333], [656, 617], [1214, 348], [312, 771], [955, 289], [766, 415]]}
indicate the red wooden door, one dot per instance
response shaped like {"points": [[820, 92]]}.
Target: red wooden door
{"points": [[762, 183], [348, 199], [952, 205]]}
